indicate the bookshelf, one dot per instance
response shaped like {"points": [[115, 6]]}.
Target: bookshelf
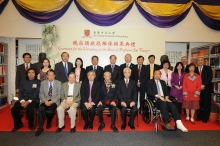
{"points": [[3, 74]]}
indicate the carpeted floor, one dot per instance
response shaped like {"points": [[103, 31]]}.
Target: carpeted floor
{"points": [[149, 138]]}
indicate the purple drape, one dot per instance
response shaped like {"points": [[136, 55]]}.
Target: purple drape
{"points": [[211, 23], [160, 21], [103, 20], [41, 17], [2, 5]]}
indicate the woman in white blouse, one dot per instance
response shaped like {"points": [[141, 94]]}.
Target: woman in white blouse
{"points": [[166, 73]]}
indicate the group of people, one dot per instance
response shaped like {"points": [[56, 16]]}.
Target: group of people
{"points": [[94, 88]]}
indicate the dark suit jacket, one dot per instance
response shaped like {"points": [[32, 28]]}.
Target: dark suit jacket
{"points": [[156, 67], [132, 67], [111, 95], [82, 73], [99, 72], [206, 76], [152, 88], [143, 76], [60, 72], [187, 69], [85, 90], [29, 90], [127, 94], [21, 74], [116, 75]]}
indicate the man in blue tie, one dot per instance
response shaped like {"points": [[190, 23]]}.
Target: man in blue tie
{"points": [[63, 68]]}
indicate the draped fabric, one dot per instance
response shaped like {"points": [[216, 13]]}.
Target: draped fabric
{"points": [[164, 13], [42, 11], [209, 12], [3, 3], [104, 12]]}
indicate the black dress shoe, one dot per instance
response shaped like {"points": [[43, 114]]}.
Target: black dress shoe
{"points": [[73, 130], [123, 127], [85, 127], [32, 128], [16, 129], [39, 131], [101, 127], [131, 126], [48, 126], [90, 127], [114, 128], [60, 129]]}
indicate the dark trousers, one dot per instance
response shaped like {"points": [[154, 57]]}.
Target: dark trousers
{"points": [[142, 96], [165, 108], [91, 112], [15, 112], [112, 110], [205, 105], [179, 107], [48, 111], [133, 113]]}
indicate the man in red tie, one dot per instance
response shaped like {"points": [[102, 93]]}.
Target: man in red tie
{"points": [[141, 78], [90, 90], [206, 89], [22, 69]]}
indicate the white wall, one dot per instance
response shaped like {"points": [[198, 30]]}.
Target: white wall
{"points": [[191, 29]]}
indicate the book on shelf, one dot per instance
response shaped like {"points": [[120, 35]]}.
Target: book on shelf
{"points": [[203, 52], [214, 62], [1, 48], [1, 90], [215, 49], [2, 70], [1, 59], [3, 100], [1, 80]]}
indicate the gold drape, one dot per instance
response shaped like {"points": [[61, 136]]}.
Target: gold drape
{"points": [[42, 5], [104, 7], [164, 9]]}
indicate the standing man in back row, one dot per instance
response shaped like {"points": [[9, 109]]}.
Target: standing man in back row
{"points": [[63, 68], [128, 64], [151, 67]]}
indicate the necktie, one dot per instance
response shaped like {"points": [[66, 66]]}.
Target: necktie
{"points": [[50, 90], [26, 68], [184, 67], [158, 89], [113, 68], [65, 69], [139, 71], [127, 65], [95, 68], [90, 92], [200, 71], [126, 83], [151, 72]]}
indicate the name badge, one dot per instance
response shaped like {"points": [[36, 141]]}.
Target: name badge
{"points": [[34, 86]]}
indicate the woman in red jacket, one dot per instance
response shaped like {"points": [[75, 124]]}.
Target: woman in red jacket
{"points": [[191, 92]]}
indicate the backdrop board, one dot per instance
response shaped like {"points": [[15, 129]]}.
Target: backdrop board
{"points": [[86, 41]]}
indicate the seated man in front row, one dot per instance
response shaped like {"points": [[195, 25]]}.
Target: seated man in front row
{"points": [[28, 99], [90, 91], [70, 96], [50, 98], [127, 95], [157, 88], [107, 99]]}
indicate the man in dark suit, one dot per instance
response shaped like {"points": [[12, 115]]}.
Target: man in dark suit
{"points": [[50, 92], [151, 67], [28, 100], [157, 90], [97, 69], [127, 95], [113, 69], [63, 68], [90, 91], [128, 64], [184, 60], [21, 70], [206, 89], [107, 99], [141, 78]]}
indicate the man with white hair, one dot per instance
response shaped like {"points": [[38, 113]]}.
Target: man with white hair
{"points": [[127, 95], [128, 64]]}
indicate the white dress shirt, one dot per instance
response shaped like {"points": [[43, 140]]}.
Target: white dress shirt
{"points": [[71, 89]]}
